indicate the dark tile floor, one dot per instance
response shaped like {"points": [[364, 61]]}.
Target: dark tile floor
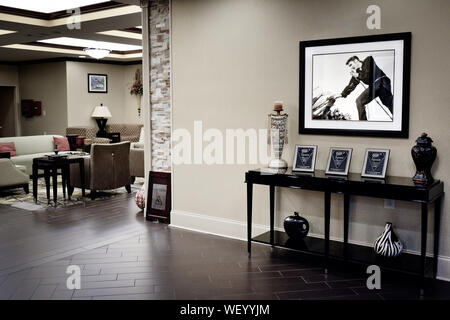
{"points": [[124, 257]]}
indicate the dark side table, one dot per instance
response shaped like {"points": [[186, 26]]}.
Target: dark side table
{"points": [[114, 136], [50, 166], [397, 188]]}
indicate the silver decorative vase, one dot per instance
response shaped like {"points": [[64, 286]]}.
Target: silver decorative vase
{"points": [[278, 136], [388, 244]]}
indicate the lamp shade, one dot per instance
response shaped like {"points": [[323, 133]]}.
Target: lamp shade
{"points": [[101, 111]]}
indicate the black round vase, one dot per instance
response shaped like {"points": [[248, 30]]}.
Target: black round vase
{"points": [[423, 154], [296, 227]]}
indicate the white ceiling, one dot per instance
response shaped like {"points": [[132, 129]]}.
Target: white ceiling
{"points": [[48, 6], [97, 29]]}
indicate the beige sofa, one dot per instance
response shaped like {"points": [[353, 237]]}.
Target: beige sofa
{"points": [[30, 147], [128, 132]]}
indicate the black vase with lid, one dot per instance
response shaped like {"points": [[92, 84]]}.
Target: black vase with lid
{"points": [[423, 154], [296, 227]]}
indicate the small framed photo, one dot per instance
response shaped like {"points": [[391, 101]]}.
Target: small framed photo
{"points": [[339, 161], [375, 163], [97, 83], [159, 196], [304, 158]]}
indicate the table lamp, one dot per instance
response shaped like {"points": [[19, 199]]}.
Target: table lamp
{"points": [[101, 114]]}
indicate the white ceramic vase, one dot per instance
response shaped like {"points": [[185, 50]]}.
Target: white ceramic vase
{"points": [[278, 138]]}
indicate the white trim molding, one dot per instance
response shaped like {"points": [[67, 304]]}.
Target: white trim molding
{"points": [[234, 229]]}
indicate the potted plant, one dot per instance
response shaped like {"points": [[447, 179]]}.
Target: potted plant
{"points": [[137, 89]]}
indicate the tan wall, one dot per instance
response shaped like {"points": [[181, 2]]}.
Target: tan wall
{"points": [[81, 103], [46, 83], [130, 101], [233, 58], [9, 76], [7, 111]]}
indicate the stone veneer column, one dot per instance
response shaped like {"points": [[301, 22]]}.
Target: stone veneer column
{"points": [[160, 84]]}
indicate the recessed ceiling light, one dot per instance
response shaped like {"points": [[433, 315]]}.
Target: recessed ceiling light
{"points": [[48, 6], [81, 56], [74, 42]]}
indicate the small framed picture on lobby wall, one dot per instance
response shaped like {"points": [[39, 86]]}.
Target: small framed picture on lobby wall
{"points": [[304, 158], [97, 83], [375, 163], [339, 161]]}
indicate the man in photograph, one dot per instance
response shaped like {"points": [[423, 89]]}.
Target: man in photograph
{"points": [[378, 84]]}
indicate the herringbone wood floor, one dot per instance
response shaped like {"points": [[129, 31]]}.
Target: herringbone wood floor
{"points": [[124, 257]]}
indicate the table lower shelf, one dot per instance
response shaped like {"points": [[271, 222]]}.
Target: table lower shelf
{"points": [[405, 263]]}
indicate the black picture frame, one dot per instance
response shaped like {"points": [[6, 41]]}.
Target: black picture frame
{"points": [[160, 185], [311, 164], [331, 168], [380, 174], [403, 131], [91, 77]]}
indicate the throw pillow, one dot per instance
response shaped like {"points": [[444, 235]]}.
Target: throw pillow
{"points": [[62, 143], [8, 147]]}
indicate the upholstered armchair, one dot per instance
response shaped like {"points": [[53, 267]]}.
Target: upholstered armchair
{"points": [[136, 160], [107, 167], [13, 176]]}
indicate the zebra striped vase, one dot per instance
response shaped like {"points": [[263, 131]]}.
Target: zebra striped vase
{"points": [[388, 244]]}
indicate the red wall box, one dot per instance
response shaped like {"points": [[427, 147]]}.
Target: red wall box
{"points": [[37, 108], [27, 107]]}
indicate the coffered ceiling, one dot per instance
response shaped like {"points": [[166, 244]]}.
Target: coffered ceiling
{"points": [[50, 30]]}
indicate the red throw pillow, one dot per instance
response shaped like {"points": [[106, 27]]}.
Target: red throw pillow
{"points": [[8, 147], [62, 143]]}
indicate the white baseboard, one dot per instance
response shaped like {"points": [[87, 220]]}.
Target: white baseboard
{"points": [[238, 230]]}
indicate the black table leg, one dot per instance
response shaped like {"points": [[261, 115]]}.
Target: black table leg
{"points": [[423, 245], [272, 214], [63, 176], [437, 228], [47, 184], [55, 184], [346, 222], [249, 217], [83, 193], [35, 177], [327, 227], [68, 181]]}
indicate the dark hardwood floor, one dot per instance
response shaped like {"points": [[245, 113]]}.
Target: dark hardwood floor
{"points": [[122, 256]]}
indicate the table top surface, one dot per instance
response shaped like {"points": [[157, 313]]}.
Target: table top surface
{"points": [[60, 159], [351, 177]]}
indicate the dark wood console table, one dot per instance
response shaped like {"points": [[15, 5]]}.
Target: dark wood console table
{"points": [[398, 188]]}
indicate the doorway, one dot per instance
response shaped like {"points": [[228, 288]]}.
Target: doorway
{"points": [[7, 112]]}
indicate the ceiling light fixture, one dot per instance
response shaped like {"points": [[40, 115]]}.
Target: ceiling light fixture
{"points": [[85, 43], [97, 53]]}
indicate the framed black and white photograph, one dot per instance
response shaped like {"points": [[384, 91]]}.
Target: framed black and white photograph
{"points": [[339, 161], [97, 83], [356, 86], [375, 163], [304, 158]]}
